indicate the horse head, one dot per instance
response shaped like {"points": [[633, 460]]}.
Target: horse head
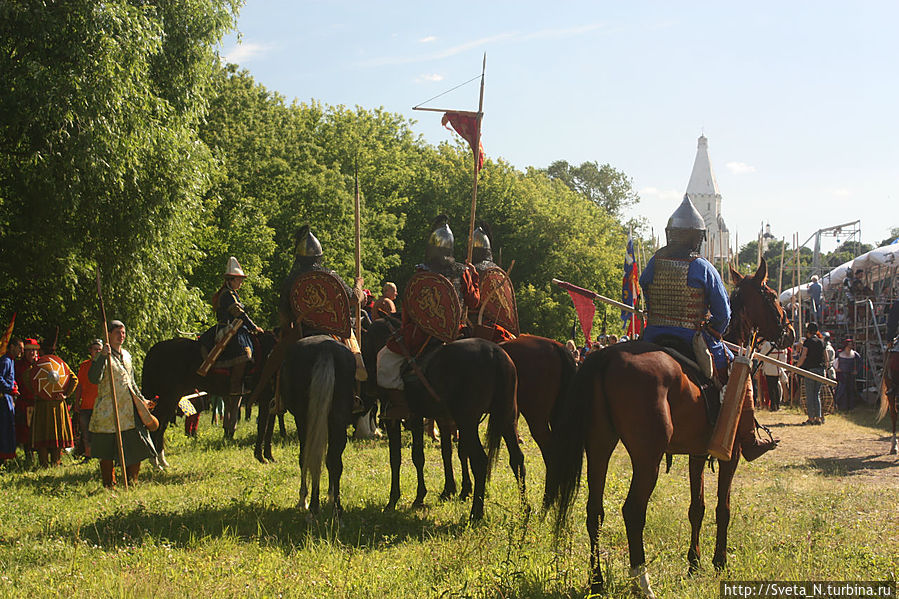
{"points": [[755, 307]]}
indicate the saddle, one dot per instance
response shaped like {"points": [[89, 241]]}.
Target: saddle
{"points": [[414, 384], [709, 388]]}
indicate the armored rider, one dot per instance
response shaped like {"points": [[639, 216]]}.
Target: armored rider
{"points": [[410, 339], [685, 295], [228, 307], [308, 257], [482, 258]]}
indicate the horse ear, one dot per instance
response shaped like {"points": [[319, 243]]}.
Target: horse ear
{"points": [[761, 275], [735, 276]]}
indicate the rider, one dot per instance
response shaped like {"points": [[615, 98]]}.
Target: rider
{"points": [[482, 257], [308, 257], [685, 294], [411, 339], [228, 307]]}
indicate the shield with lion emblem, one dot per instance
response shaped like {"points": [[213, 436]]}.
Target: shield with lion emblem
{"points": [[319, 301], [498, 299], [433, 304]]}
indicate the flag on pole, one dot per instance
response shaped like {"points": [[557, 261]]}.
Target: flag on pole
{"points": [[466, 125], [583, 305], [7, 335], [630, 290]]}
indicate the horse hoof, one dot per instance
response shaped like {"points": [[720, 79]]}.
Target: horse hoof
{"points": [[418, 504], [269, 457], [719, 564], [259, 458], [390, 506], [447, 494], [465, 494]]}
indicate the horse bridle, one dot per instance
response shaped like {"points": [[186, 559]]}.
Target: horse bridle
{"points": [[783, 322]]}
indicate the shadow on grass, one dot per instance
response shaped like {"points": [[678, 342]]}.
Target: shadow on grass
{"points": [[284, 527], [843, 466]]}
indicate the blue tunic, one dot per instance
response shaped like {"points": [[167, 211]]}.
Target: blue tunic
{"points": [[7, 408], [700, 275]]}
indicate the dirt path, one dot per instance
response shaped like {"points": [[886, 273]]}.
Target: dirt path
{"points": [[849, 445]]}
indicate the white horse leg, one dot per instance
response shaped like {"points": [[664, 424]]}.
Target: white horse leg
{"points": [[641, 577], [159, 461], [894, 448]]}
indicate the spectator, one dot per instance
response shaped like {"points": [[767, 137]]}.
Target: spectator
{"points": [[847, 365], [51, 427], [613, 339], [86, 394], [893, 320], [8, 390], [136, 442], [571, 346], [385, 305], [812, 359], [25, 399], [814, 293], [773, 374], [830, 355]]}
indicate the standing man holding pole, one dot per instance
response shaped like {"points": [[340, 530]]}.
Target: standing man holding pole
{"points": [[116, 430]]}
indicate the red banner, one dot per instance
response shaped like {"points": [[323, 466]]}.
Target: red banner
{"points": [[583, 305], [466, 125]]}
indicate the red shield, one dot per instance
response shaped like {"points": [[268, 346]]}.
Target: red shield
{"points": [[49, 375], [498, 299], [433, 304], [319, 301]]}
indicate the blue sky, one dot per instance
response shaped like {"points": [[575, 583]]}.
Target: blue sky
{"points": [[798, 99]]}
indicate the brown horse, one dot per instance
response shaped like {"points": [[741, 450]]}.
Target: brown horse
{"points": [[637, 393], [889, 394]]}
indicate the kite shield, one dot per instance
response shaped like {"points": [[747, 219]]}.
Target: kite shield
{"points": [[319, 301], [433, 304], [498, 297]]}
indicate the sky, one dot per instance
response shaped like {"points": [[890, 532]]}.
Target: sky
{"points": [[798, 99]]}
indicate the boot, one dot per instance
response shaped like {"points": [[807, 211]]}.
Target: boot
{"points": [[751, 446], [236, 379], [361, 372]]}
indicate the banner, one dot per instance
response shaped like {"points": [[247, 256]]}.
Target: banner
{"points": [[467, 127], [630, 290], [583, 305]]}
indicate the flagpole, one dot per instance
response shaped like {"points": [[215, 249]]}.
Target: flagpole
{"points": [[476, 151], [358, 219]]}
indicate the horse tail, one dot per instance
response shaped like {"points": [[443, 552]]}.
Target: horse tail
{"points": [[569, 436], [321, 394], [884, 392], [567, 370], [504, 407]]}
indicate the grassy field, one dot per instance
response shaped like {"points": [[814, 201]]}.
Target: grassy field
{"points": [[824, 506]]}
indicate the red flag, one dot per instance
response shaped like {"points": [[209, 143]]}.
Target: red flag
{"points": [[583, 305], [465, 125], [6, 336]]}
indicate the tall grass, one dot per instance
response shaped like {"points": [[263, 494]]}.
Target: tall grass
{"points": [[219, 524]]}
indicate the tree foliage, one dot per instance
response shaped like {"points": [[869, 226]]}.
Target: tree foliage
{"points": [[604, 185]]}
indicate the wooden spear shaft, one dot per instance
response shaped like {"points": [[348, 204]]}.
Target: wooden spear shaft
{"points": [[109, 371], [358, 249], [476, 150], [780, 273]]}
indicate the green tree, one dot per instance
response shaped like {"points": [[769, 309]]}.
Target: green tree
{"points": [[100, 165], [603, 185]]}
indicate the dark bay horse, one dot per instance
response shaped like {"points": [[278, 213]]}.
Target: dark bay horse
{"points": [[545, 371], [889, 394], [636, 393], [317, 387], [170, 373], [472, 378]]}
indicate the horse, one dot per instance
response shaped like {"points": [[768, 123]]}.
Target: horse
{"points": [[471, 378], [637, 393], [317, 387], [545, 370], [170, 373], [889, 395]]}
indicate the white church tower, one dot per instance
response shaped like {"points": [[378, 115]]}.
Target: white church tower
{"points": [[703, 192]]}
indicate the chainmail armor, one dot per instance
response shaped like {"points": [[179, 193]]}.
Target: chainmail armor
{"points": [[670, 301]]}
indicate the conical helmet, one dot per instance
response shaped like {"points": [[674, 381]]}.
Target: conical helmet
{"points": [[686, 226], [307, 245], [480, 244], [233, 268], [440, 242]]}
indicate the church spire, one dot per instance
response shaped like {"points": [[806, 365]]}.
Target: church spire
{"points": [[702, 180]]}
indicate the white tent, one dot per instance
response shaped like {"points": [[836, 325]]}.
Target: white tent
{"points": [[886, 255], [835, 278]]}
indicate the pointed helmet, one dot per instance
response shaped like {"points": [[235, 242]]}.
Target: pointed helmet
{"points": [[440, 242], [233, 269], [480, 244], [686, 227], [307, 244]]}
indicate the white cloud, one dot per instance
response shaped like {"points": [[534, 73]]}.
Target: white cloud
{"points": [[841, 192], [427, 38], [740, 168], [662, 194], [542, 34], [429, 78], [246, 52]]}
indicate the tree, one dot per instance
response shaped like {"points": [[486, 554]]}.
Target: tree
{"points": [[603, 185], [100, 165]]}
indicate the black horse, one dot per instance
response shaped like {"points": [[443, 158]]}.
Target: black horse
{"points": [[317, 387], [170, 373], [471, 378]]}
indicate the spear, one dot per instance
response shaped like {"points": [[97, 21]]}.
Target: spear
{"points": [[358, 248], [115, 403]]}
